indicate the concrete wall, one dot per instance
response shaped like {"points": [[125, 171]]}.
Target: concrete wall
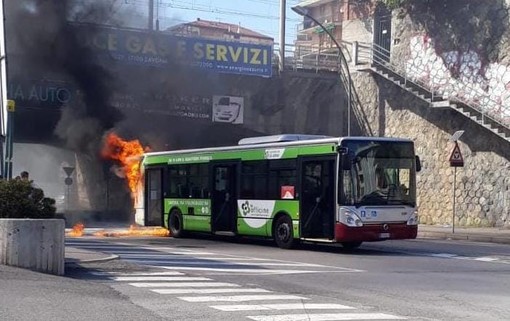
{"points": [[33, 244]]}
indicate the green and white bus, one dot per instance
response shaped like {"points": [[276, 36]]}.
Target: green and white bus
{"points": [[314, 188]]}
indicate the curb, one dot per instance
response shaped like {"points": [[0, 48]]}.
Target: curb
{"points": [[464, 237]]}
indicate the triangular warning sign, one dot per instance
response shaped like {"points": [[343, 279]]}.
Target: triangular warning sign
{"points": [[288, 195], [456, 157], [68, 170]]}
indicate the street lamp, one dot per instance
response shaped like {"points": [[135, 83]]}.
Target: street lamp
{"points": [[304, 12]]}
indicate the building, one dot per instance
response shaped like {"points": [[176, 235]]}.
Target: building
{"points": [[219, 31], [342, 18]]}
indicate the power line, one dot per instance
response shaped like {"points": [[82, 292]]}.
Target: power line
{"points": [[184, 5]]}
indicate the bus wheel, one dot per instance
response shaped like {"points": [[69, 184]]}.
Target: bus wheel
{"points": [[283, 233], [175, 224], [351, 245]]}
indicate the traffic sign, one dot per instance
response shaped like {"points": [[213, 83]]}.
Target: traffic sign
{"points": [[456, 159], [287, 192], [68, 170], [68, 181], [11, 106]]}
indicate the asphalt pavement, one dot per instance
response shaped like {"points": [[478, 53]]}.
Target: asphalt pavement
{"points": [[488, 235]]}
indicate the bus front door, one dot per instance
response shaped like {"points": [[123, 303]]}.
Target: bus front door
{"points": [[317, 198], [154, 197], [224, 198]]}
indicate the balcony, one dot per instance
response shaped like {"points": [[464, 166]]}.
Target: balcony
{"points": [[313, 3], [329, 21]]}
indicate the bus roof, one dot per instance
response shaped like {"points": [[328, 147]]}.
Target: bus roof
{"points": [[298, 142]]}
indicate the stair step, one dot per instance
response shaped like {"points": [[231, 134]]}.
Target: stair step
{"points": [[440, 104]]}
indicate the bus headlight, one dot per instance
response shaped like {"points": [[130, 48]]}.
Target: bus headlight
{"points": [[349, 218], [413, 219]]}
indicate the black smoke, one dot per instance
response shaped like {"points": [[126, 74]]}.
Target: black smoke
{"points": [[45, 44]]}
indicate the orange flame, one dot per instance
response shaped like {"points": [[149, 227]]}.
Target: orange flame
{"points": [[127, 153], [77, 230], [135, 231]]}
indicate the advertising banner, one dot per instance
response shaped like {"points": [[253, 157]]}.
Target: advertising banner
{"points": [[160, 49]]}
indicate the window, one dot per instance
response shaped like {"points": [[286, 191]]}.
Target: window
{"points": [[281, 173], [199, 181], [189, 181], [177, 178], [254, 180]]}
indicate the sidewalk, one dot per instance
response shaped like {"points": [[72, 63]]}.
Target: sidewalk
{"points": [[75, 255], [490, 235]]}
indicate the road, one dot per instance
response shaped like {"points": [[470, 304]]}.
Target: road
{"points": [[214, 279]]}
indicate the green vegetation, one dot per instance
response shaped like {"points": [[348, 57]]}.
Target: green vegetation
{"points": [[18, 199], [394, 4]]}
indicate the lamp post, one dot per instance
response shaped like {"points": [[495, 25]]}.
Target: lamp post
{"points": [[303, 12]]}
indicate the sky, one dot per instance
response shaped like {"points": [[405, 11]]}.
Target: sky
{"points": [[259, 15]]}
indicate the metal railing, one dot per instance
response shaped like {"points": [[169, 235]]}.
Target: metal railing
{"points": [[470, 95], [313, 58], [309, 58]]}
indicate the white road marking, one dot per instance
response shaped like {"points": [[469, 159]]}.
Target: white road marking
{"points": [[209, 291], [486, 259], [242, 298], [136, 273], [183, 284], [291, 306], [190, 262], [253, 271], [172, 256], [444, 255], [158, 278], [461, 257], [326, 317]]}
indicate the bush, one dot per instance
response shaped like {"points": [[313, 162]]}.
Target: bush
{"points": [[18, 199]]}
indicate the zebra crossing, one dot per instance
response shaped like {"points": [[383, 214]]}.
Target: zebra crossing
{"points": [[205, 262], [187, 275], [254, 303]]}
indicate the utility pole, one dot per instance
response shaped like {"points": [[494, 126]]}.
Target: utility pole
{"points": [[283, 16], [151, 15], [3, 88]]}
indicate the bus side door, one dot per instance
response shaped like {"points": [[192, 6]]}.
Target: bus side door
{"points": [[317, 201], [224, 196], [154, 197]]}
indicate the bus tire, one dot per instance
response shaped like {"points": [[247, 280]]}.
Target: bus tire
{"points": [[351, 245], [175, 224], [283, 232]]}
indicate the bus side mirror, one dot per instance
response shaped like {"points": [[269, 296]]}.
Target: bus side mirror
{"points": [[345, 162], [418, 163]]}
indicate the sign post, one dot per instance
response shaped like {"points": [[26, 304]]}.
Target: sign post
{"points": [[456, 160], [68, 181], [9, 145]]}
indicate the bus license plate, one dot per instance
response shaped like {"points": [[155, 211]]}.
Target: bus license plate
{"points": [[384, 235]]}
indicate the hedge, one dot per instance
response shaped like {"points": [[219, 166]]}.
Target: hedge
{"points": [[19, 199]]}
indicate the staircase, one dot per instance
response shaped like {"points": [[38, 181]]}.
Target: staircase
{"points": [[380, 63]]}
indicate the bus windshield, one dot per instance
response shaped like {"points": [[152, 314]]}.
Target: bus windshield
{"points": [[378, 173]]}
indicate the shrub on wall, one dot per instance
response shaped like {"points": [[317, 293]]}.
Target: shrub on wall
{"points": [[19, 199]]}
